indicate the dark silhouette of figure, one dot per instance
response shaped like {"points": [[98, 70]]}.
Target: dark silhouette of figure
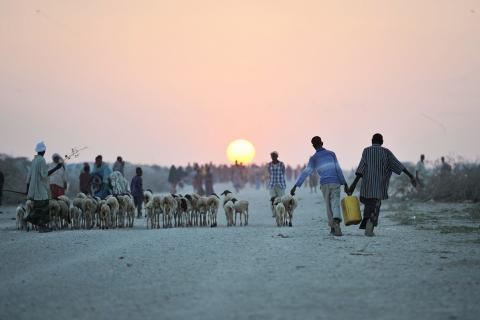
{"points": [[376, 167]]}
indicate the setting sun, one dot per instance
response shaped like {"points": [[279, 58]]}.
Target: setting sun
{"points": [[240, 150]]}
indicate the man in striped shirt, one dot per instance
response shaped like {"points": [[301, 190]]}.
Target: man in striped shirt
{"points": [[375, 168], [331, 178]]}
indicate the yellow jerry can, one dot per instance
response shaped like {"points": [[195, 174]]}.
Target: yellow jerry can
{"points": [[351, 210]]}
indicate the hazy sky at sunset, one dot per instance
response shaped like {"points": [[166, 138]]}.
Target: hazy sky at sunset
{"points": [[174, 81]]}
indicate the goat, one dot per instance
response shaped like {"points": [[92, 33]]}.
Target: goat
{"points": [[229, 208], [21, 214], [75, 216], [280, 212], [290, 204], [155, 209], [241, 207], [213, 202], [169, 209]]}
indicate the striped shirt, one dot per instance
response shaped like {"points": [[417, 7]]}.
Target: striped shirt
{"points": [[277, 175], [376, 167]]}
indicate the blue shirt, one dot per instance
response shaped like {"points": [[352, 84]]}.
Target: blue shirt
{"points": [[326, 164], [104, 171]]}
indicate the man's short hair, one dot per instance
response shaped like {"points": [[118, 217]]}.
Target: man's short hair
{"points": [[274, 153], [377, 138], [138, 170], [317, 141], [119, 158], [99, 157]]}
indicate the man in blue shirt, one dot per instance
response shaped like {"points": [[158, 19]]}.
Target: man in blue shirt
{"points": [[331, 178]]}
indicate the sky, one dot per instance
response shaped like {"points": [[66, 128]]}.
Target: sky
{"points": [[172, 82]]}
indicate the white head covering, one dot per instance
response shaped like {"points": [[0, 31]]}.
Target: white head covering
{"points": [[40, 147]]}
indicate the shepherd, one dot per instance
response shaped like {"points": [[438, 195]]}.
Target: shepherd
{"points": [[37, 189], [276, 180], [375, 168]]}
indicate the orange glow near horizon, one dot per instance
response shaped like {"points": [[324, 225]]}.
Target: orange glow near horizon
{"points": [[241, 151], [173, 82]]}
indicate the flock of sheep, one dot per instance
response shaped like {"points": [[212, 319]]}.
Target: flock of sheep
{"points": [[161, 211], [193, 210], [84, 212], [283, 208]]}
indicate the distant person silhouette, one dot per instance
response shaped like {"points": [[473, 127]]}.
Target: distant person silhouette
{"points": [[420, 172], [208, 180], [85, 180], [173, 179], [119, 165], [445, 168], [136, 188]]}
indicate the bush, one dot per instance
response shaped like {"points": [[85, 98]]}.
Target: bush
{"points": [[461, 184]]}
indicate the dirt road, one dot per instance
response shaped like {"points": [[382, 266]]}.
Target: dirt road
{"points": [[418, 270]]}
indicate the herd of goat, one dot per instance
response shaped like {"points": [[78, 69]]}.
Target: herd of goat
{"points": [[161, 211]]}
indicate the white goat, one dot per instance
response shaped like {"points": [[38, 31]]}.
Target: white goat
{"points": [[213, 202], [21, 214], [229, 208], [169, 209], [105, 213], [75, 217], [241, 207], [280, 212], [154, 210]]}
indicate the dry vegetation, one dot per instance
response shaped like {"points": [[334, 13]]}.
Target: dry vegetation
{"points": [[462, 184]]}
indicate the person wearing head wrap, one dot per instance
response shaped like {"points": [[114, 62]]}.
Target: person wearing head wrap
{"points": [[37, 188], [58, 179]]}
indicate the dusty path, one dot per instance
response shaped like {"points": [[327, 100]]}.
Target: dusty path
{"points": [[240, 273]]}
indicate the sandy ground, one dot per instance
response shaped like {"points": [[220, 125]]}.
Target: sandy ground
{"points": [[415, 268]]}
